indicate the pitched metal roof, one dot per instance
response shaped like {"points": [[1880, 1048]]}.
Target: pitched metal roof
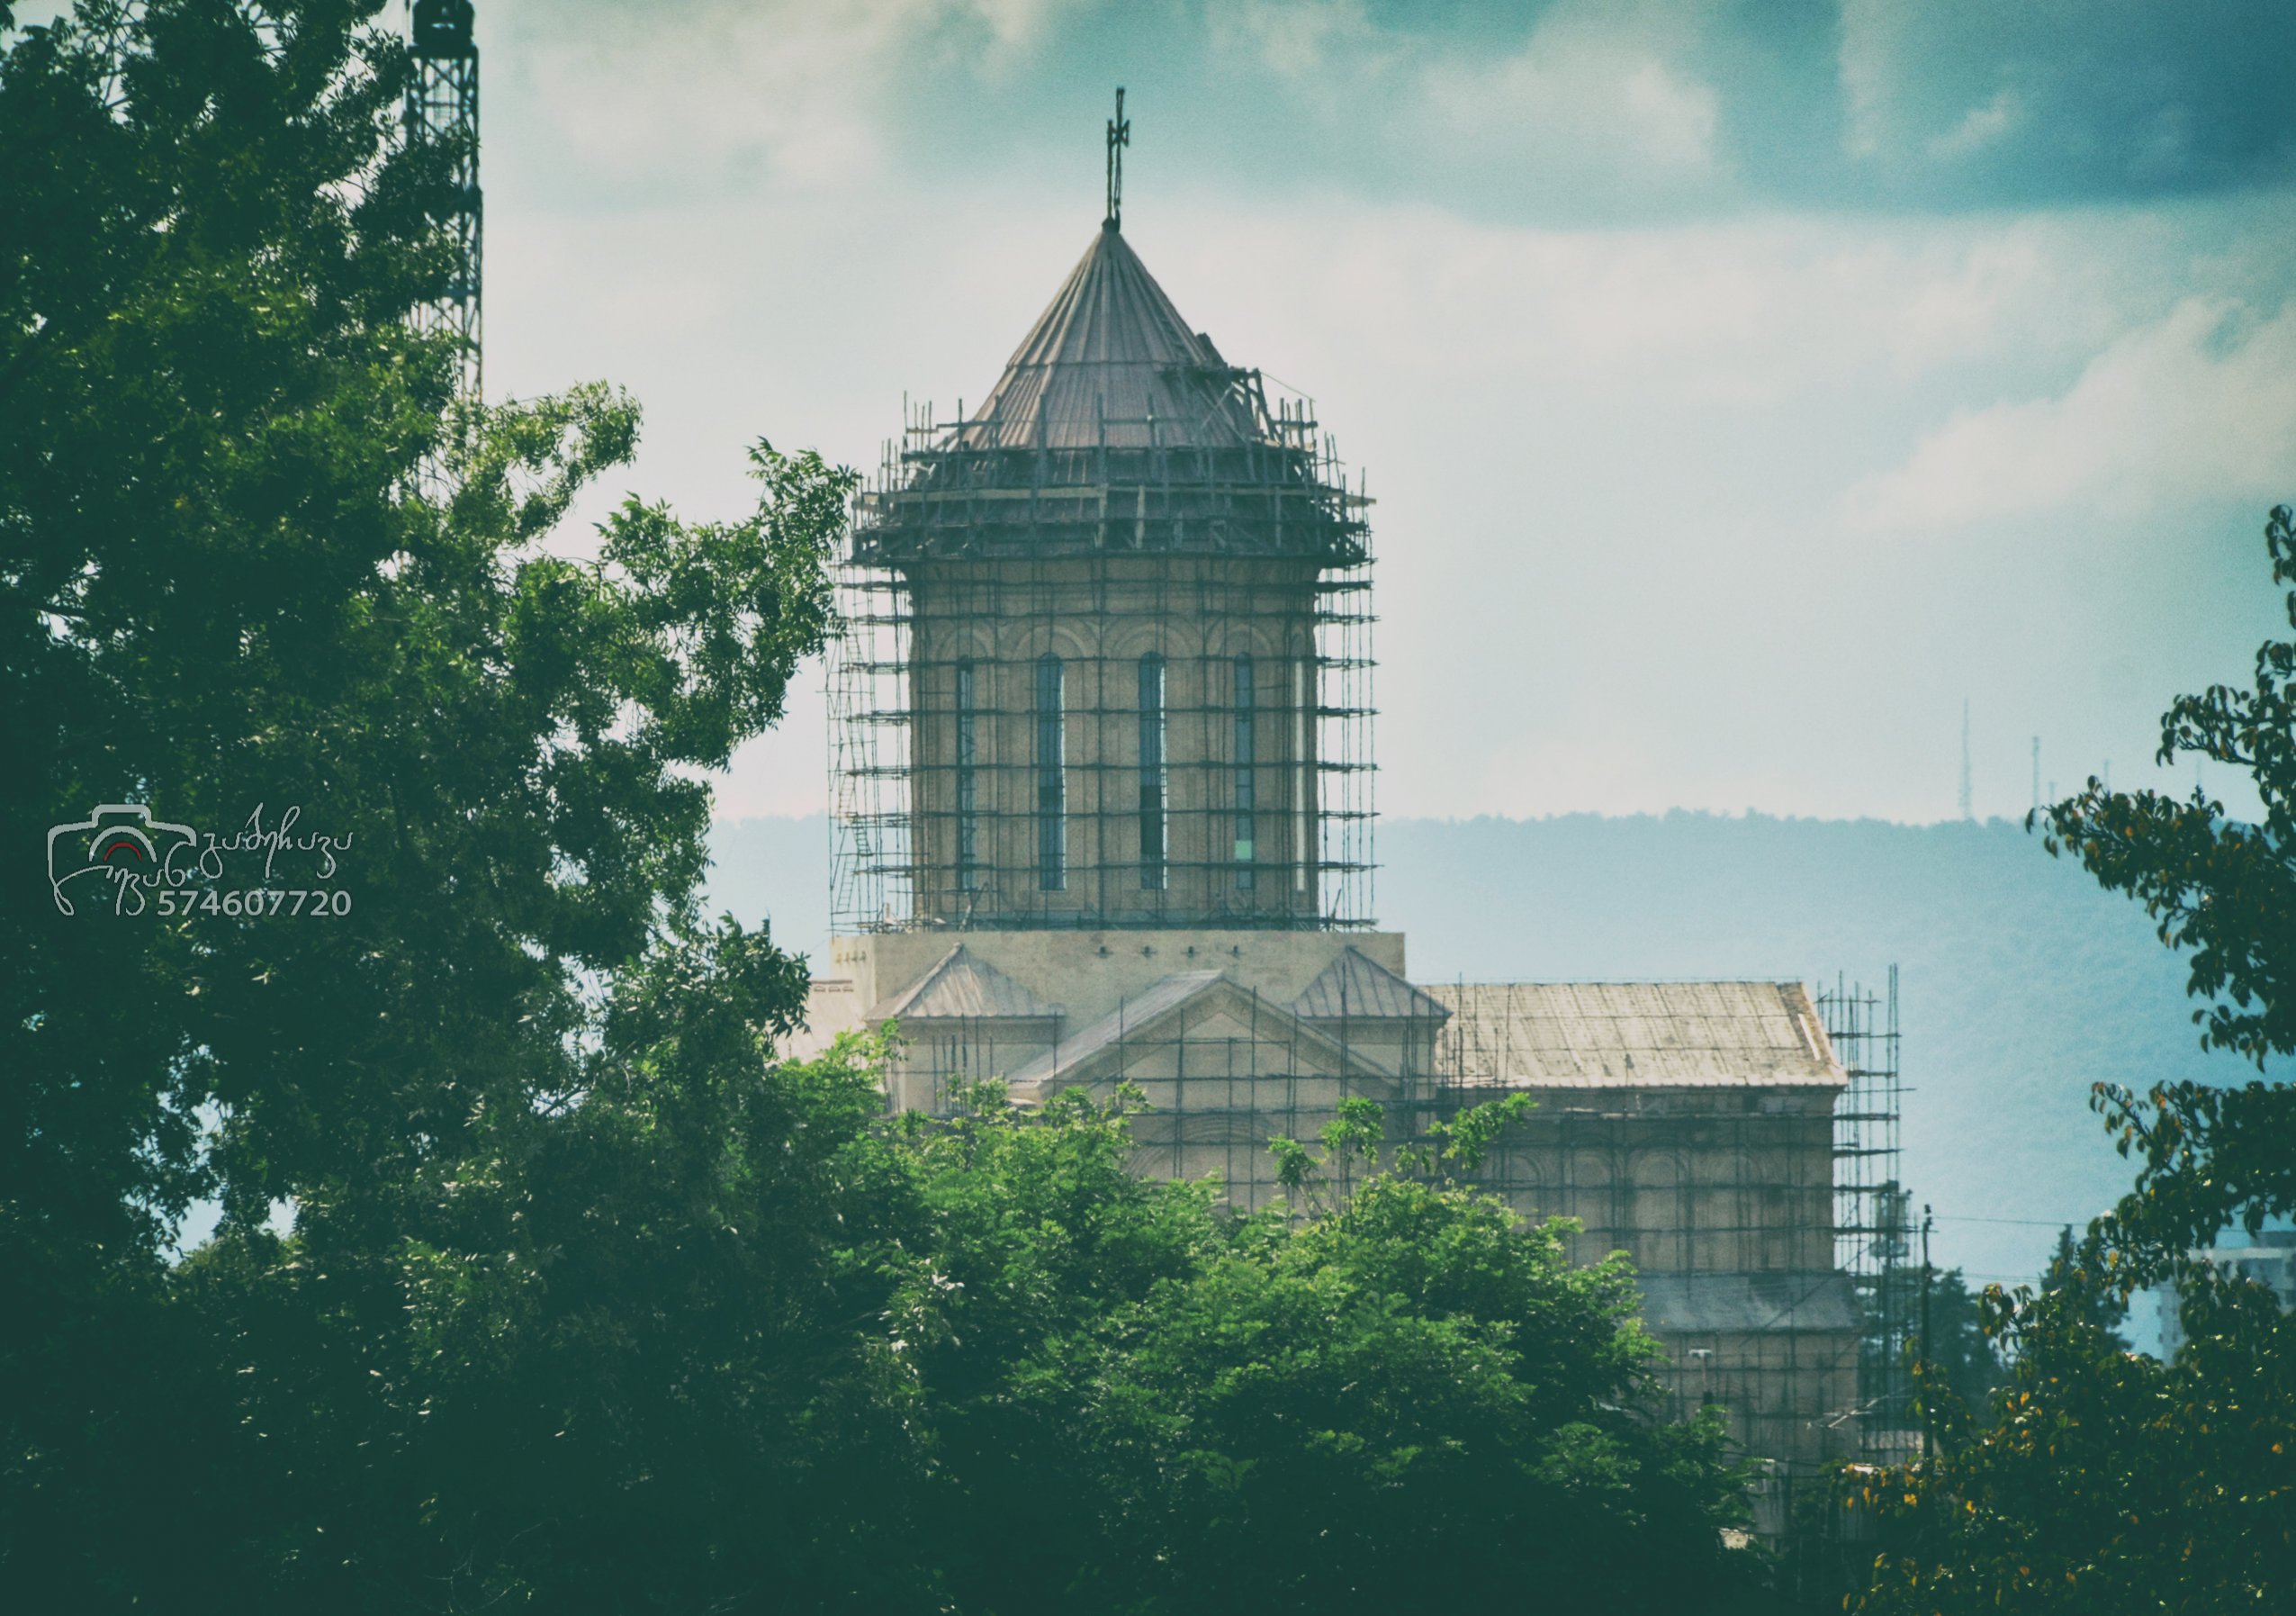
{"points": [[961, 986], [1746, 1304], [1638, 1034], [1109, 356], [1168, 993], [1278, 1027], [1353, 984]]}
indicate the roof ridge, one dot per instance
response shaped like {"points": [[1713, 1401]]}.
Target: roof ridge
{"points": [[998, 994], [1384, 993], [1166, 996]]}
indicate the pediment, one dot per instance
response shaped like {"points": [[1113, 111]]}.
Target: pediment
{"points": [[963, 987], [1198, 1009], [1355, 987]]}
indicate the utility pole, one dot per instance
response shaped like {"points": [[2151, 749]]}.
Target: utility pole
{"points": [[1927, 1224], [2037, 775]]}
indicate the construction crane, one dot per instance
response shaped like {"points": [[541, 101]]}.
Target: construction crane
{"points": [[442, 110]]}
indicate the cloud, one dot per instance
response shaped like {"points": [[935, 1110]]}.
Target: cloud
{"points": [[1579, 106], [1619, 109], [802, 93], [1579, 101], [2199, 407], [1293, 39], [1567, 112], [1758, 311], [1980, 127], [1963, 103]]}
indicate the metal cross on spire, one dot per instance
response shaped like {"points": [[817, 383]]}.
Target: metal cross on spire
{"points": [[1119, 136]]}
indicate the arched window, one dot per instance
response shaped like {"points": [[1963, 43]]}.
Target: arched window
{"points": [[968, 779], [1155, 794], [1051, 779], [1247, 785]]}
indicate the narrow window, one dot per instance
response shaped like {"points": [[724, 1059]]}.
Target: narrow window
{"points": [[1154, 794], [967, 781], [1247, 756], [1051, 782], [1302, 807]]}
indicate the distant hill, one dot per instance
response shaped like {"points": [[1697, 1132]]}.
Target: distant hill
{"points": [[2022, 983]]}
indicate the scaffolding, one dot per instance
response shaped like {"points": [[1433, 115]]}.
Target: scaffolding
{"points": [[1204, 609], [1699, 1128], [1872, 1219], [1214, 1099], [1737, 1140]]}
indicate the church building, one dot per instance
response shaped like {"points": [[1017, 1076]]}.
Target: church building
{"points": [[1102, 771]]}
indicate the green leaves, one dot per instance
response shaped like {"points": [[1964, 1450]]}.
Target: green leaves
{"points": [[513, 1095], [1412, 1397]]}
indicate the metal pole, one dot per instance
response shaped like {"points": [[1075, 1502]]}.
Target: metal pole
{"points": [[1927, 1224]]}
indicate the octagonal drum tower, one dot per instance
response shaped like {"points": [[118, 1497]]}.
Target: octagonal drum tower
{"points": [[1105, 662]]}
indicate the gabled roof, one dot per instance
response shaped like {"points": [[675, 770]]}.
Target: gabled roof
{"points": [[1149, 1016], [1354, 985], [1106, 355], [960, 986], [1639, 1034], [1167, 995]]}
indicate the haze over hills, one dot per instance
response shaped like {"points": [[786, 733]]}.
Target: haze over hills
{"points": [[2020, 982]]}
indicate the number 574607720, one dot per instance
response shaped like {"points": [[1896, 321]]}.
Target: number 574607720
{"points": [[256, 901]]}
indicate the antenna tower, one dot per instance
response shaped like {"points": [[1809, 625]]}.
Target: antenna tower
{"points": [[442, 110], [1965, 812]]}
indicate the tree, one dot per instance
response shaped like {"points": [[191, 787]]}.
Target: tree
{"points": [[1960, 1359], [1407, 1401], [218, 593], [2097, 1479], [2097, 1308], [627, 1353]]}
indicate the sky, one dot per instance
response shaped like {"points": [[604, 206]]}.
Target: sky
{"points": [[1744, 386]]}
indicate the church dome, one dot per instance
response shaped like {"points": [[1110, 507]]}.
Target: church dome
{"points": [[1110, 362], [1115, 425]]}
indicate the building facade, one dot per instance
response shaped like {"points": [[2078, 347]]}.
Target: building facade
{"points": [[1101, 786], [2267, 1259]]}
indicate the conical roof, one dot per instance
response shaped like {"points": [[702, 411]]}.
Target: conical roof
{"points": [[1111, 362], [1114, 424]]}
